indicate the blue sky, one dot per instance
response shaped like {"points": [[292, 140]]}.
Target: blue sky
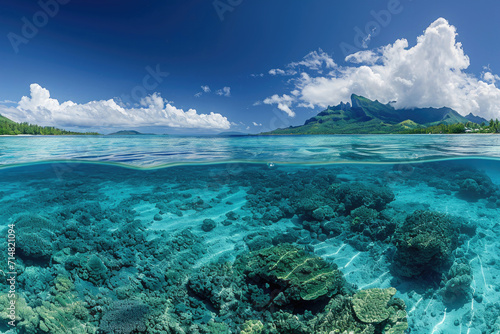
{"points": [[91, 52]]}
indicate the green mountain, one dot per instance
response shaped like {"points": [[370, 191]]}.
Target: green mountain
{"points": [[476, 119], [4, 119], [9, 127], [363, 116]]}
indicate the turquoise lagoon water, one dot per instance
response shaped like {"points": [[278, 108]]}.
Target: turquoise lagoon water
{"points": [[159, 234], [155, 151]]}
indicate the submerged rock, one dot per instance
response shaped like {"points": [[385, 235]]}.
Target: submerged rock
{"points": [[208, 225]]}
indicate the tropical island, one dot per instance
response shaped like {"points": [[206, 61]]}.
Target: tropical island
{"points": [[129, 133], [364, 116], [361, 116], [9, 127]]}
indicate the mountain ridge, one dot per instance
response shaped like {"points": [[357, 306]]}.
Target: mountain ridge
{"points": [[364, 116]]}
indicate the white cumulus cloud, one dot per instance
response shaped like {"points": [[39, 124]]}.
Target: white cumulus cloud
{"points": [[40, 108], [367, 57], [431, 73], [284, 103], [490, 77]]}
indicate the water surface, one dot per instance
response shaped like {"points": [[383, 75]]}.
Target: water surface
{"points": [[151, 151], [121, 244]]}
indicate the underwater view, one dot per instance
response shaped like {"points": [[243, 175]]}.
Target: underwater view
{"points": [[105, 246], [249, 167]]}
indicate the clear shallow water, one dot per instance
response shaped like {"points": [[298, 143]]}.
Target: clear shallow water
{"points": [[104, 247], [151, 151]]}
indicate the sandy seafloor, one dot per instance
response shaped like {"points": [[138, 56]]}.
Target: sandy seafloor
{"points": [[165, 203]]}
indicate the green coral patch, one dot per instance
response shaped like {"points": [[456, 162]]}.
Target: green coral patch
{"points": [[306, 277], [371, 305], [378, 307], [252, 327], [25, 317]]}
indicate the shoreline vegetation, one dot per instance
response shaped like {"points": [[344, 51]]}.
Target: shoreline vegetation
{"points": [[492, 127], [443, 129], [11, 128]]}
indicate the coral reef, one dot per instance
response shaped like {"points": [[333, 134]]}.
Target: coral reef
{"points": [[339, 316], [261, 252], [468, 183], [377, 306], [35, 235], [64, 312], [424, 243], [124, 317], [27, 320], [93, 269], [287, 280], [252, 327], [355, 195], [304, 277], [225, 289], [457, 281], [370, 306], [362, 216]]}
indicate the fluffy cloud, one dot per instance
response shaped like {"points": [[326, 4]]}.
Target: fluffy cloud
{"points": [[315, 60], [41, 109], [277, 71], [490, 77], [226, 91], [366, 57], [430, 74], [205, 89], [284, 103]]}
